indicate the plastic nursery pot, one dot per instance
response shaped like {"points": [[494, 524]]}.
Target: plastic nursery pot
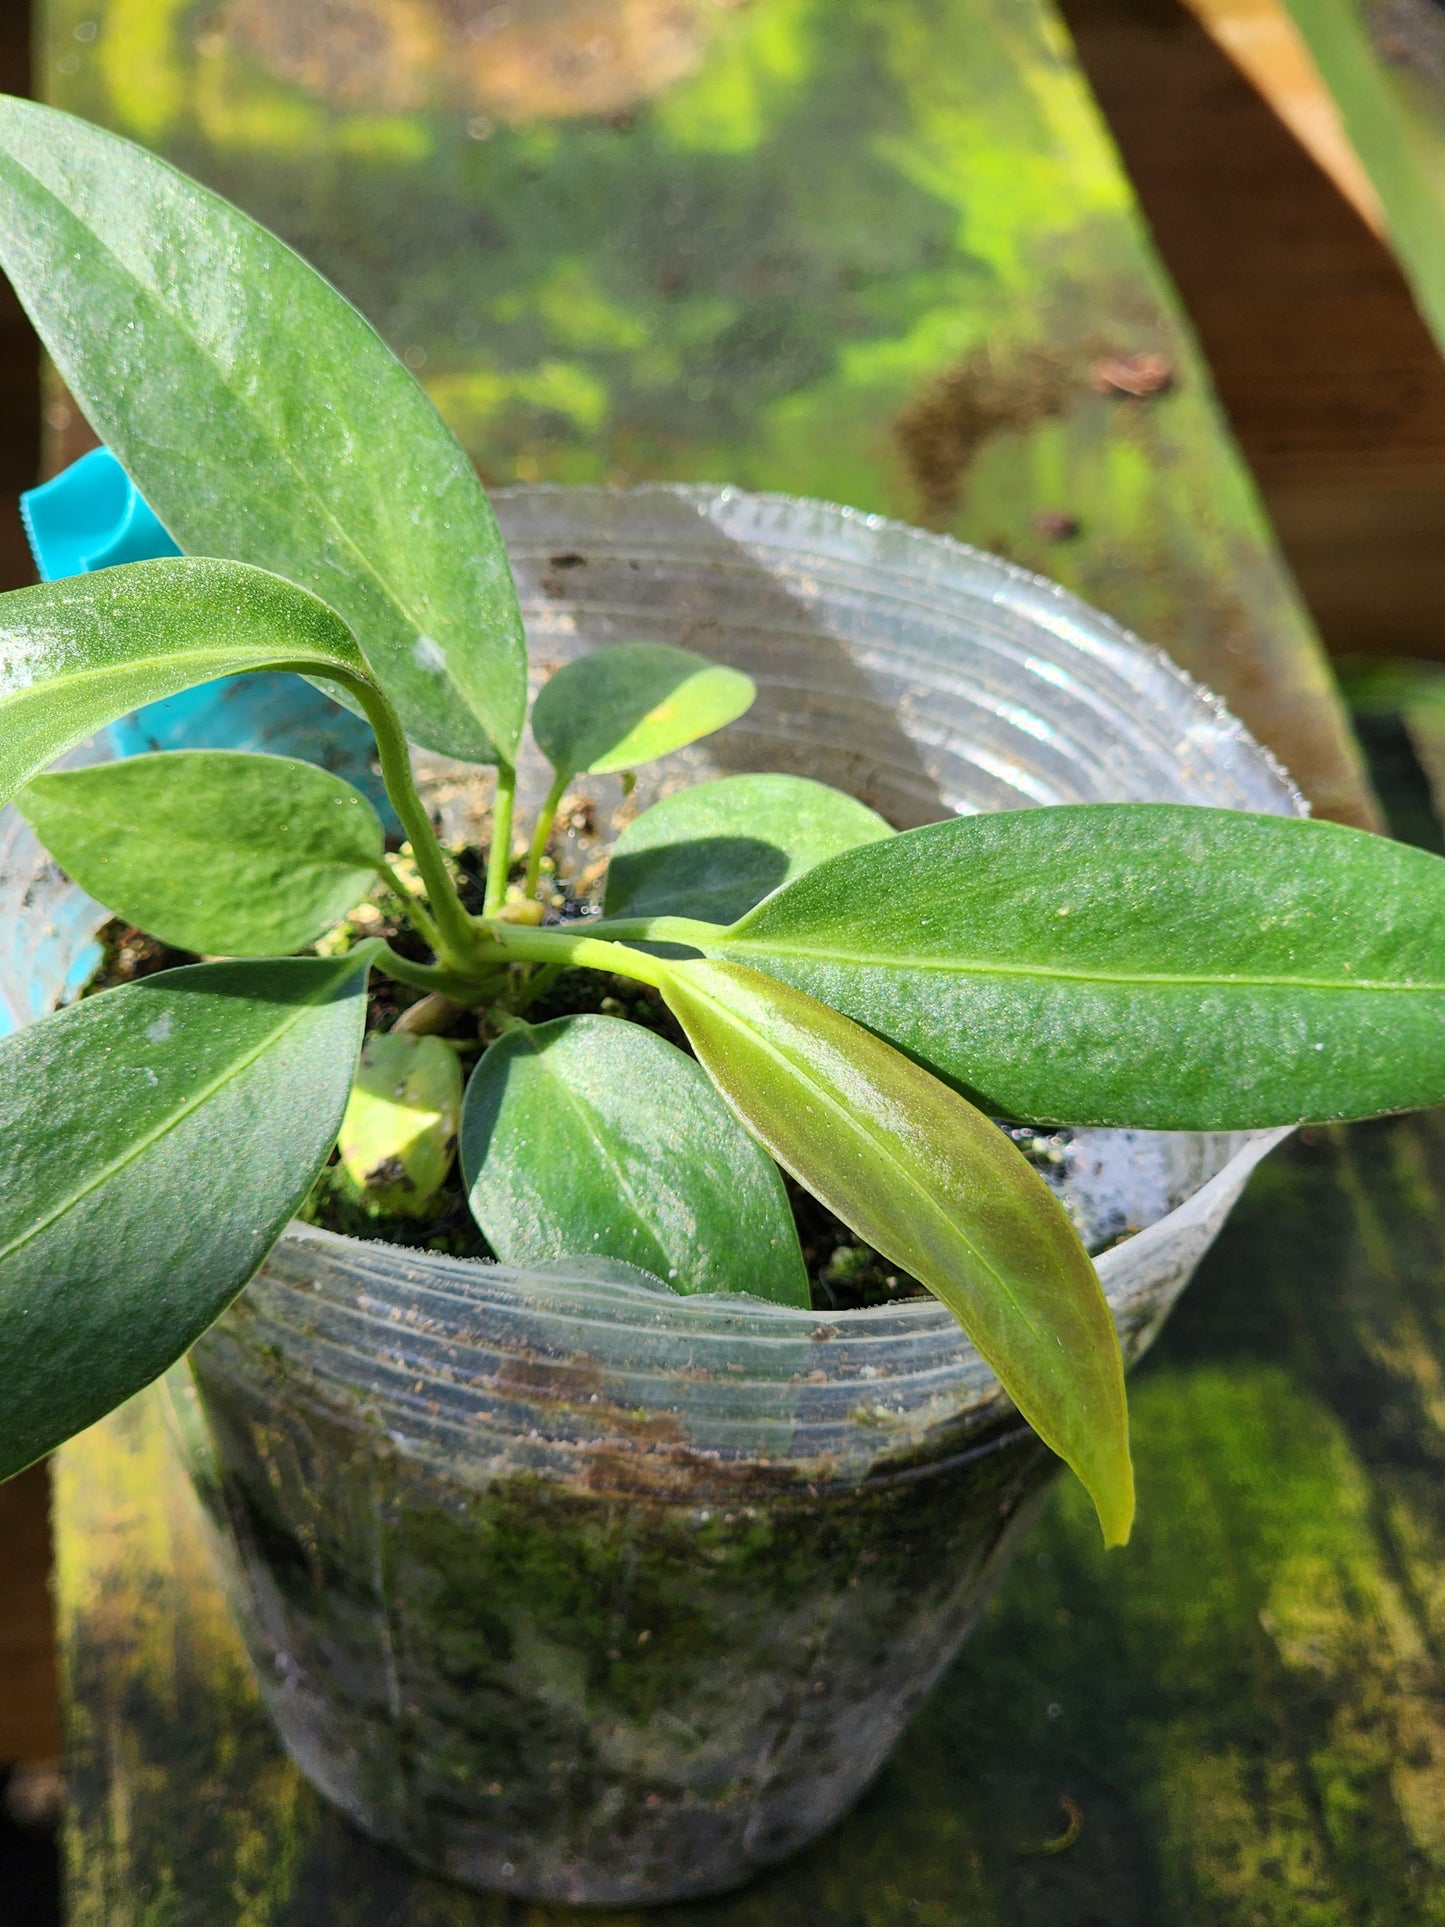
{"points": [[576, 1589]]}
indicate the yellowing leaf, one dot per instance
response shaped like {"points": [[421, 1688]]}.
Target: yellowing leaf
{"points": [[398, 1137], [935, 1186]]}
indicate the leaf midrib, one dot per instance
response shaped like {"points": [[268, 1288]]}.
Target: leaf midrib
{"points": [[257, 657], [153, 1137], [584, 1112], [914, 1186], [973, 967]]}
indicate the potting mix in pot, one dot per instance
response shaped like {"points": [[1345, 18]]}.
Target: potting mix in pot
{"points": [[770, 1048]]}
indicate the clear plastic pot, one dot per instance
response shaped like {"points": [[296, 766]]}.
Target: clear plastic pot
{"points": [[575, 1589]]}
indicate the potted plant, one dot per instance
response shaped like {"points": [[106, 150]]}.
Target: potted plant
{"points": [[605, 1573]]}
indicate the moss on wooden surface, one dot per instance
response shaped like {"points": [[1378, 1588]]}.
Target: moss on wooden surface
{"points": [[885, 255]]}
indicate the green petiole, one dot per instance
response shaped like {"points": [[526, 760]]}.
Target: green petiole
{"points": [[543, 832], [521, 945], [465, 989], [688, 930], [499, 857], [455, 933], [412, 907]]}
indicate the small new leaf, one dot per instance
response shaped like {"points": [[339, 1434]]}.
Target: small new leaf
{"points": [[1145, 964], [588, 1135], [211, 850], [714, 851], [158, 1137], [398, 1138], [76, 654], [631, 703], [937, 1188], [263, 419]]}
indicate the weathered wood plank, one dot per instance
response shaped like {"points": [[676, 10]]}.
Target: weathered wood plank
{"points": [[885, 255], [29, 1719], [1264, 43], [1333, 383]]}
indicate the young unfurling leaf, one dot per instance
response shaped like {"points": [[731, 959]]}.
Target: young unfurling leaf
{"points": [[714, 851], [157, 1138], [211, 850], [630, 704], [938, 1189], [76, 654], [588, 1135], [1145, 964], [263, 418]]}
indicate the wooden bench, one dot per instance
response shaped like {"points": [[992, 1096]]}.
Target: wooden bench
{"points": [[1242, 1718]]}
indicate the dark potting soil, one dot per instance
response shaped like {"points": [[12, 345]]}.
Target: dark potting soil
{"points": [[843, 1273]]}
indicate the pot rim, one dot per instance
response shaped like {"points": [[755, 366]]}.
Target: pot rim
{"points": [[659, 1306], [1037, 597]]}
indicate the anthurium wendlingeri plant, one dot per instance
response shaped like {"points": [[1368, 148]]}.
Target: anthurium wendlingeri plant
{"points": [[859, 1023]]}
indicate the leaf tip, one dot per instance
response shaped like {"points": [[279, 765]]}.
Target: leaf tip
{"points": [[1114, 1503]]}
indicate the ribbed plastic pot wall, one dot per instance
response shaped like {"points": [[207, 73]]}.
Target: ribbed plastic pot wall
{"points": [[579, 1590]]}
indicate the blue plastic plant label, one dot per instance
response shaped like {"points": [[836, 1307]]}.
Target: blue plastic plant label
{"points": [[92, 516]]}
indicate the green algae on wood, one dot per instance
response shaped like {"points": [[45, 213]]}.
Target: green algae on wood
{"points": [[878, 255]]}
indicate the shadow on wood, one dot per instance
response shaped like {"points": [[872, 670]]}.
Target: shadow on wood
{"points": [[1331, 380]]}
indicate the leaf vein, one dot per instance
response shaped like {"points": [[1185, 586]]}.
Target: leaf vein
{"points": [[976, 968]]}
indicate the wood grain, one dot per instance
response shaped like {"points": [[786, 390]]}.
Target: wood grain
{"points": [[29, 1714], [1264, 43], [889, 261], [1331, 380]]}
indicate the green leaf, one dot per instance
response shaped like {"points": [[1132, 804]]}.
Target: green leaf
{"points": [[212, 850], [1154, 965], [263, 419], [631, 703], [76, 654], [928, 1181], [398, 1138], [591, 1135], [158, 1138], [714, 851]]}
